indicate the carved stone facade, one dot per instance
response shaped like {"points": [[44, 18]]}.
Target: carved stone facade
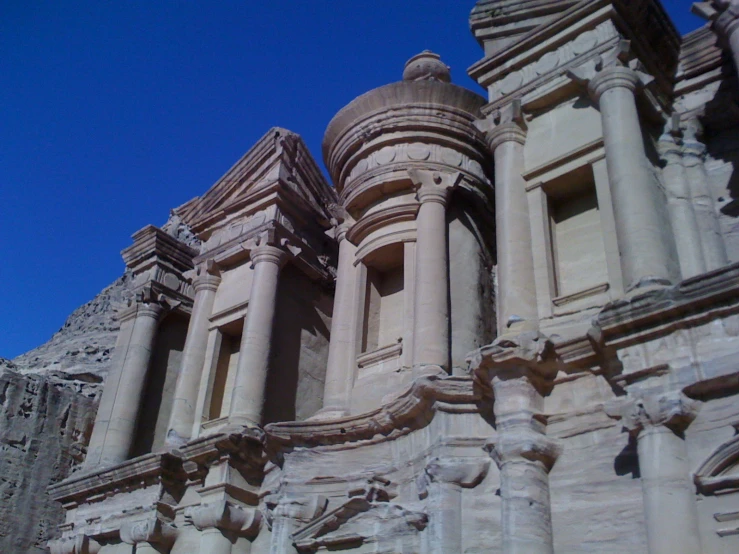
{"points": [[511, 325]]}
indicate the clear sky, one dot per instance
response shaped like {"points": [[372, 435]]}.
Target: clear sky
{"points": [[112, 113]]}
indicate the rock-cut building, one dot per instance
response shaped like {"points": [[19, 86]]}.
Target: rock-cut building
{"points": [[507, 324]]}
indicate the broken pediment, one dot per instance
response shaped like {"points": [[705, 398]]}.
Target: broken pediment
{"points": [[279, 169], [366, 517]]}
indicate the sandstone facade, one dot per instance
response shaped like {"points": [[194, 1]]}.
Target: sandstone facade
{"points": [[511, 325]]}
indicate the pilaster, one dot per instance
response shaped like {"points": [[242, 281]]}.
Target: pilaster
{"points": [[520, 371], [442, 483], [247, 400], [431, 321], [646, 245], [516, 305], [680, 207], [342, 352], [115, 423], [205, 280], [659, 422]]}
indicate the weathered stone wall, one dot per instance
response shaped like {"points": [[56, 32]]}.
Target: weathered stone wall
{"points": [[44, 424]]}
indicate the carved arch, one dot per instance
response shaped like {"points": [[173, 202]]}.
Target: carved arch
{"points": [[714, 474]]}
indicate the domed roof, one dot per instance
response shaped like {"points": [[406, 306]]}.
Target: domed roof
{"points": [[416, 101]]}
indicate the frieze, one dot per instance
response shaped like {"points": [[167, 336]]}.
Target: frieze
{"points": [[415, 152], [584, 44]]}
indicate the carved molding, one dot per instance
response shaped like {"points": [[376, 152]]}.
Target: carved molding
{"points": [[410, 411], [151, 530], [226, 516]]}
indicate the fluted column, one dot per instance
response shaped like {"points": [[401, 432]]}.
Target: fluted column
{"points": [[205, 283], [680, 207], [669, 494], [431, 321], [712, 241], [342, 349], [442, 484], [516, 298], [115, 424], [525, 456], [646, 253], [247, 400]]}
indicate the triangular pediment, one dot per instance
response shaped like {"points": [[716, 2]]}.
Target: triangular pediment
{"points": [[279, 159]]}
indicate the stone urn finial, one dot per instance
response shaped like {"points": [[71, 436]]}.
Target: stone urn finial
{"points": [[427, 66]]}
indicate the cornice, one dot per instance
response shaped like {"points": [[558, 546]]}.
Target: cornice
{"points": [[691, 303], [410, 411], [108, 480], [656, 42]]}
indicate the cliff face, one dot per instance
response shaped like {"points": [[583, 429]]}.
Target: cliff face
{"points": [[80, 352], [48, 400], [44, 424]]}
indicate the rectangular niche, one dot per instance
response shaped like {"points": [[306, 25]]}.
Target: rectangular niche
{"points": [[576, 236], [224, 374], [384, 303]]}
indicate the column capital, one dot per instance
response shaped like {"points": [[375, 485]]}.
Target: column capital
{"points": [[226, 516], [609, 71], [268, 253], [612, 77], [434, 186], [462, 472], [672, 410], [529, 355], [524, 444], [507, 132], [140, 307], [206, 276], [151, 530]]}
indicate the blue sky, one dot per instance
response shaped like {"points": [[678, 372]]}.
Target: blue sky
{"points": [[112, 113]]}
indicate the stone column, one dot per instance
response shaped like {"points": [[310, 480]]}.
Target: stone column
{"points": [[115, 424], [669, 494], [247, 400], [680, 207], [431, 322], [516, 298], [525, 456], [646, 254], [220, 523], [442, 484], [205, 283], [342, 350], [712, 241]]}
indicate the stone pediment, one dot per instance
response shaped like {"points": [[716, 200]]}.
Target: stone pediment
{"points": [[279, 164]]}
